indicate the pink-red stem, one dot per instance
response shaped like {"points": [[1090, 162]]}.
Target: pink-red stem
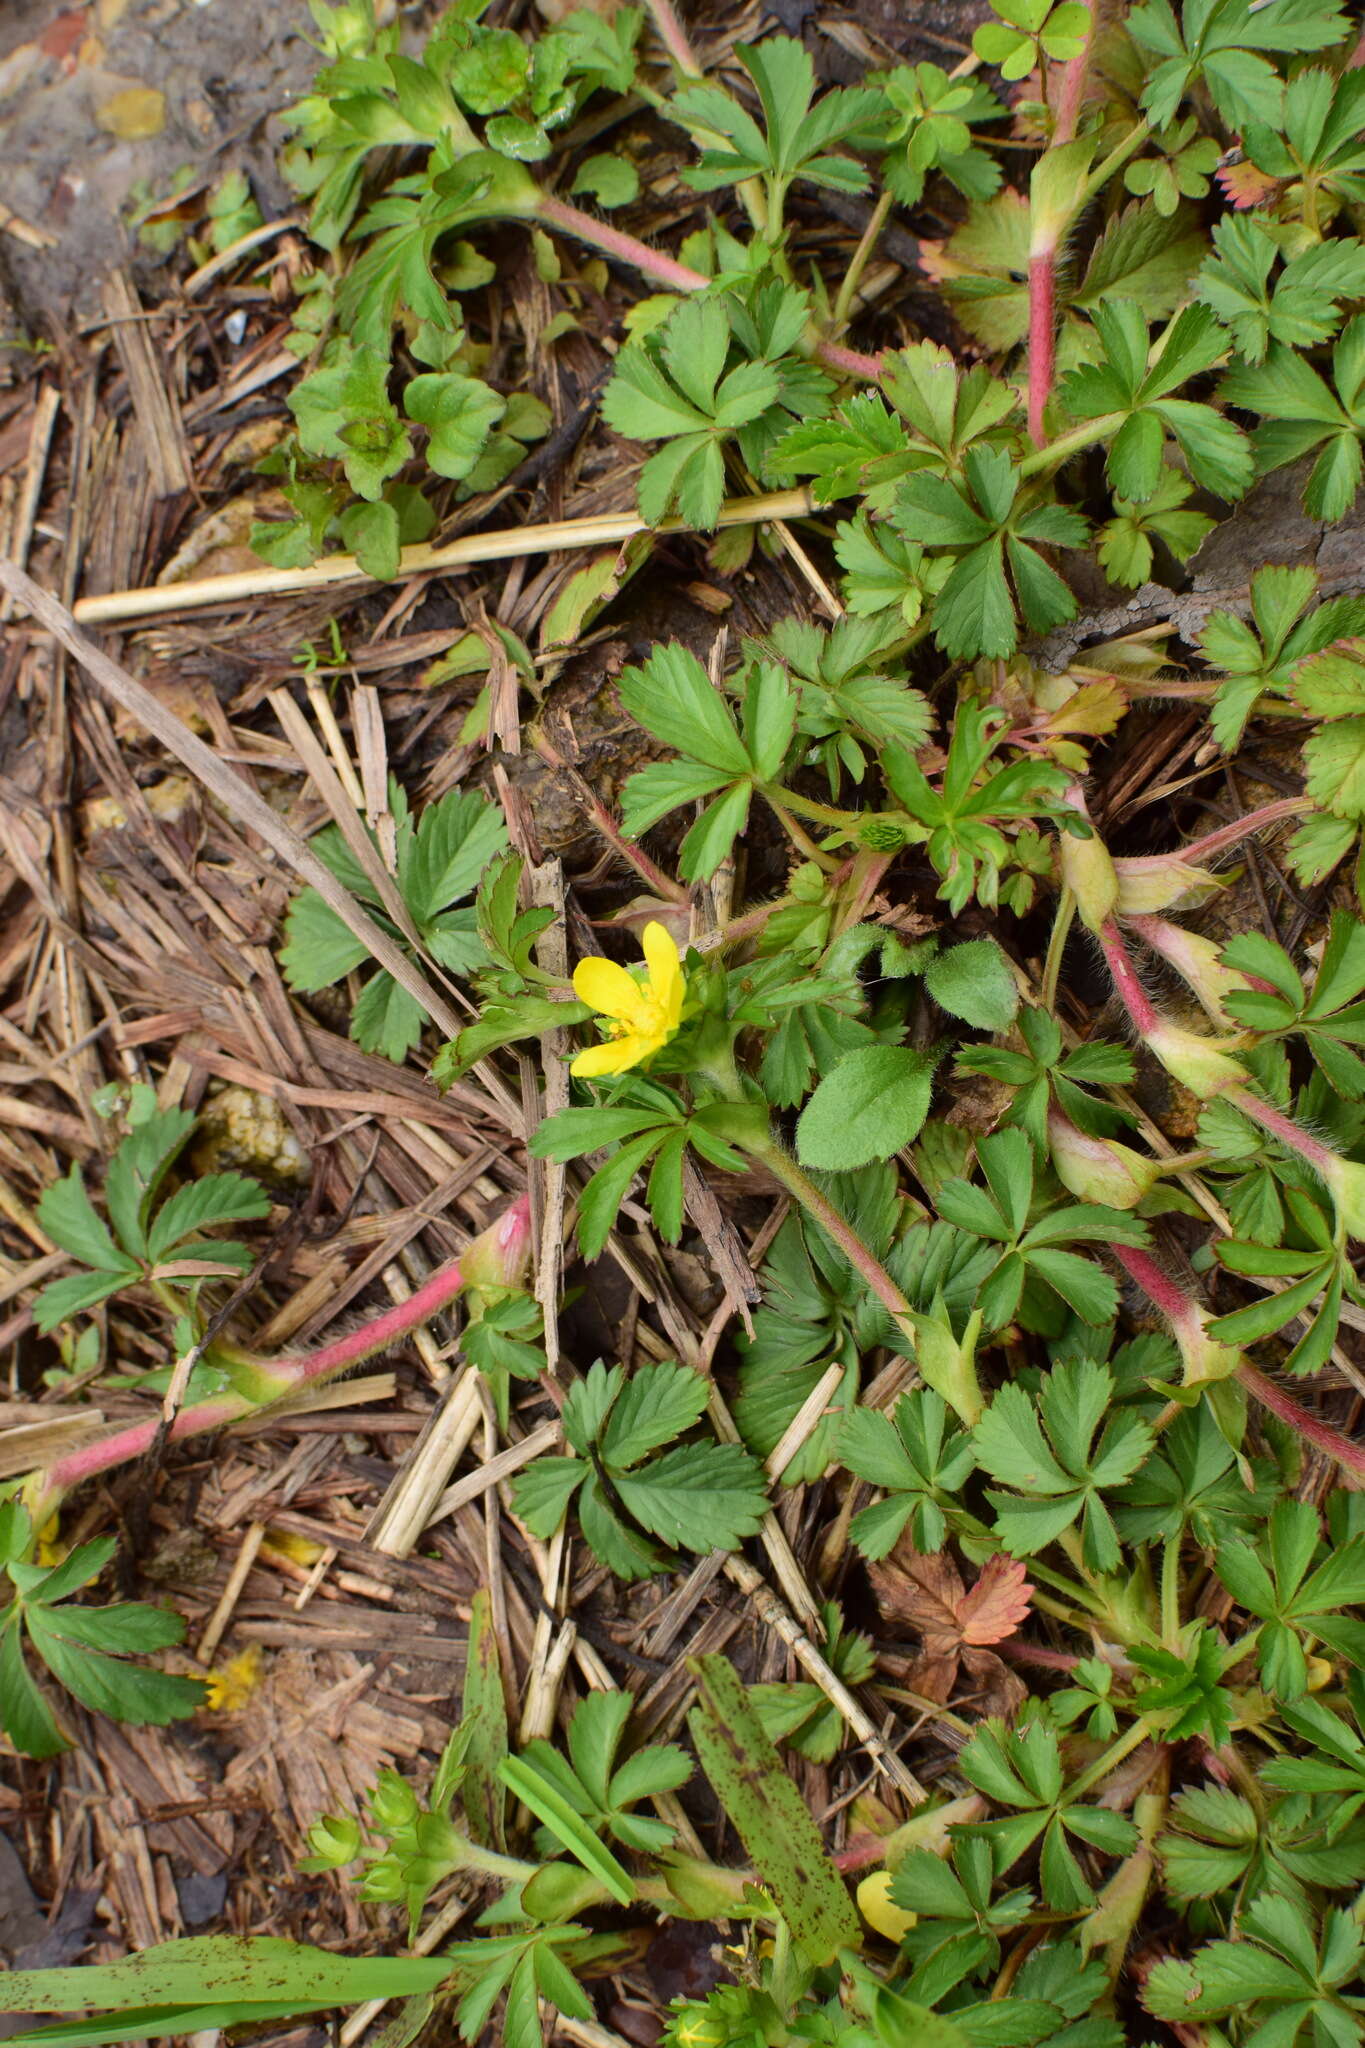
{"points": [[677, 277], [1240, 828], [1319, 1156], [557, 213], [278, 1377], [673, 36], [127, 1445], [1170, 1298], [1331, 1442], [1184, 1314], [1042, 340], [1130, 991]]}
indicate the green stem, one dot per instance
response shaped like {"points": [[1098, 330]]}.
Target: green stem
{"points": [[1056, 947], [1170, 1593], [1117, 157], [802, 1189], [853, 276], [1112, 1758], [823, 814], [1066, 445], [473, 1856], [801, 839], [1237, 1653]]}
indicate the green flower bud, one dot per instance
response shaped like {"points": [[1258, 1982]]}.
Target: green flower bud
{"points": [[1203, 1358], [1346, 1181], [1088, 872], [1198, 1063], [882, 833], [393, 1804], [334, 1840], [384, 1881], [1098, 1169], [1162, 881], [1196, 959]]}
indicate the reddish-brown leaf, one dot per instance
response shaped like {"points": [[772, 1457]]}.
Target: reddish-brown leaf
{"points": [[1244, 185], [928, 1594], [923, 1591], [997, 1603]]}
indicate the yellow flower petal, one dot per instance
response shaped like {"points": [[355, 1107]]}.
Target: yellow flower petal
{"points": [[877, 1908], [608, 988], [231, 1687], [616, 1056], [665, 971]]}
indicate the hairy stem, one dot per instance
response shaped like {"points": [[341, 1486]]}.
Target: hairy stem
{"points": [[1129, 989], [498, 1256], [1241, 828], [1053, 454], [1042, 340], [810, 807], [863, 1261], [1184, 1314], [673, 36], [1071, 92], [677, 277], [801, 839], [1315, 1154], [557, 213], [1177, 1307], [1347, 1452]]}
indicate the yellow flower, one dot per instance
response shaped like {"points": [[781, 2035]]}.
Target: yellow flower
{"points": [[300, 1550], [643, 1015], [231, 1688]]}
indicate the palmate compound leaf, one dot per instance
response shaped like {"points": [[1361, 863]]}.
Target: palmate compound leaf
{"points": [[1295, 1598], [600, 1791], [1280, 1976], [1216, 1839], [1021, 1770], [441, 861], [85, 1649], [1218, 44], [795, 138], [1047, 1454], [1301, 412], [696, 1496], [917, 1459], [955, 1625], [1302, 307], [147, 1234], [988, 532], [673, 698], [673, 387], [1134, 385], [865, 449], [1125, 541]]}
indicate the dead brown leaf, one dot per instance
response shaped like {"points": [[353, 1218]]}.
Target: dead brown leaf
{"points": [[956, 1625]]}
